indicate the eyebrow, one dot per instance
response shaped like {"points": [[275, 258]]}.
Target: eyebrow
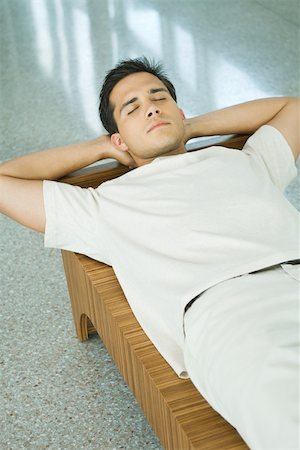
{"points": [[134, 99]]}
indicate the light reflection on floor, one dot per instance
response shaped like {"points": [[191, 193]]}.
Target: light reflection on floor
{"points": [[217, 53]]}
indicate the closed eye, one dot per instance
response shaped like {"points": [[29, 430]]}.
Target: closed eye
{"points": [[154, 100], [130, 112]]}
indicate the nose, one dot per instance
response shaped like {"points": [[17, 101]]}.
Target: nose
{"points": [[153, 110]]}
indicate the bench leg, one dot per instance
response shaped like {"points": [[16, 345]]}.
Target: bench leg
{"points": [[86, 328], [79, 296]]}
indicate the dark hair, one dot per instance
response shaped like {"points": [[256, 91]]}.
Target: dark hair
{"points": [[122, 70]]}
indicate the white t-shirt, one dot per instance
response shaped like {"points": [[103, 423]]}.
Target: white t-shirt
{"points": [[179, 225]]}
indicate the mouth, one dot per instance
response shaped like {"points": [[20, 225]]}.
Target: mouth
{"points": [[156, 125]]}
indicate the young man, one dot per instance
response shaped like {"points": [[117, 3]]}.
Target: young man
{"points": [[204, 244]]}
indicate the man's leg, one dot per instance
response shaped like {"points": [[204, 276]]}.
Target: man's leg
{"points": [[242, 354]]}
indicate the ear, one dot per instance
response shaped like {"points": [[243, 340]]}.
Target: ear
{"points": [[118, 143], [182, 114]]}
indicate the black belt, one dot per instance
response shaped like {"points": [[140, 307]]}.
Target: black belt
{"points": [[293, 262]]}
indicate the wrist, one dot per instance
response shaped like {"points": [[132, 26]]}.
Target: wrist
{"points": [[193, 128], [99, 147]]}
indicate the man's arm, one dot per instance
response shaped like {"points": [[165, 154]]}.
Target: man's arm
{"points": [[21, 187], [281, 112]]}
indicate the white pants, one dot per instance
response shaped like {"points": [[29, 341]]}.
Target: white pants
{"points": [[242, 354]]}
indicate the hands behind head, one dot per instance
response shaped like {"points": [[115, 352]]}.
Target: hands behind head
{"points": [[111, 152], [123, 157]]}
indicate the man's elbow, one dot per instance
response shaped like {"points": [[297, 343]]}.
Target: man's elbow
{"points": [[287, 122], [22, 201], [2, 193], [295, 111]]}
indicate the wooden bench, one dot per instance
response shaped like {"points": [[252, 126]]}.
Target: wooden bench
{"points": [[179, 415]]}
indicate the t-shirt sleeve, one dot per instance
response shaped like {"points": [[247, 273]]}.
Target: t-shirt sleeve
{"points": [[74, 220], [270, 149]]}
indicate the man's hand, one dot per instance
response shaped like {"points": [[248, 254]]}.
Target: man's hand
{"points": [[123, 157], [109, 151]]}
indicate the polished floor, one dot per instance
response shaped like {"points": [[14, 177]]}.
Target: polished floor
{"points": [[56, 392]]}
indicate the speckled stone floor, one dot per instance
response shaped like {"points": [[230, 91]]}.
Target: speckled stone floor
{"points": [[58, 393]]}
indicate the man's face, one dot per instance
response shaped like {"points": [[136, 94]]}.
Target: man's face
{"points": [[150, 124]]}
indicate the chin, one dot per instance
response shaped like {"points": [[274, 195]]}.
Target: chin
{"points": [[169, 145], [161, 146], [172, 148]]}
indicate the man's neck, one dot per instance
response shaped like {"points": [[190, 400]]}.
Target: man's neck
{"points": [[143, 162]]}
